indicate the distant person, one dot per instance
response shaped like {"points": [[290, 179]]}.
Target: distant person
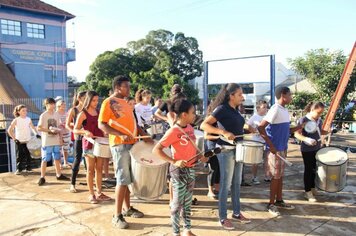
{"points": [[65, 133], [20, 132], [157, 103], [143, 107], [48, 125]]}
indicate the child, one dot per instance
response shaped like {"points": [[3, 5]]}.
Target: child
{"points": [[275, 130], [51, 140], [253, 122], [87, 125], [143, 108], [182, 139], [22, 126], [73, 113], [311, 143], [61, 110]]}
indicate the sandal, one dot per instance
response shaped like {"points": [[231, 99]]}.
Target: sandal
{"points": [[103, 197], [92, 199]]}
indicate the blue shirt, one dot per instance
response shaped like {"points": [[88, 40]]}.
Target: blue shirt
{"points": [[278, 128], [229, 119]]}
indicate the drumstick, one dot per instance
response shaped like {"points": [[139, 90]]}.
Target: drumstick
{"points": [[285, 160]]}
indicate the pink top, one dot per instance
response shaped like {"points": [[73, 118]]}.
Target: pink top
{"points": [[182, 147]]}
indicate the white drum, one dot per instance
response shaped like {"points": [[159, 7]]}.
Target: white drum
{"points": [[199, 135], [149, 172], [249, 152], [331, 169], [102, 148], [156, 128]]}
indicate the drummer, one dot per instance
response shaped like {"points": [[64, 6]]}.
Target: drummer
{"points": [[311, 143], [230, 124], [182, 139], [275, 129], [87, 125], [117, 119], [143, 107]]}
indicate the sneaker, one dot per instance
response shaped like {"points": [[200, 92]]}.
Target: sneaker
{"points": [[255, 181], [282, 204], [309, 196], [72, 189], [273, 210], [119, 222], [315, 192], [18, 172], [226, 224], [134, 213], [103, 197], [241, 219], [245, 184], [41, 181], [62, 177], [267, 180], [93, 200]]}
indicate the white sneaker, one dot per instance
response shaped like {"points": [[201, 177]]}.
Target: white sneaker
{"points": [[309, 196], [315, 192], [255, 181]]}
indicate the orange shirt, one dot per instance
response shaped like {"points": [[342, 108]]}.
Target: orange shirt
{"points": [[118, 115], [182, 147]]}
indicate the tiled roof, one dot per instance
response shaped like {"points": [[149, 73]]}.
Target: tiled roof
{"points": [[37, 6], [10, 91]]}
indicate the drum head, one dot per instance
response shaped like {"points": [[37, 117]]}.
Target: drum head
{"points": [[102, 140], [251, 143], [142, 153], [331, 156], [311, 126]]}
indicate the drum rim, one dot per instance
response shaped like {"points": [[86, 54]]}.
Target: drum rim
{"points": [[254, 141], [346, 161]]}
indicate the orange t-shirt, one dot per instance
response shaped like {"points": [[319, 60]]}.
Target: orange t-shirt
{"points": [[182, 147], [118, 115]]}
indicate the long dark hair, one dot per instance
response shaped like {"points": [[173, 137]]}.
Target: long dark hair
{"points": [[180, 106], [88, 98], [313, 105], [224, 95], [76, 98], [17, 110]]}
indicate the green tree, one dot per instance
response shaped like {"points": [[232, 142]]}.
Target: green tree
{"points": [[324, 69], [301, 99], [155, 62]]}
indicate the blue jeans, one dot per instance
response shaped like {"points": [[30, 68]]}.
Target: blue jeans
{"points": [[230, 178]]}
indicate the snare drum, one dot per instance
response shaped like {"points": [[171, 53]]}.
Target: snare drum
{"points": [[249, 152], [199, 135], [34, 147], [156, 129], [331, 169], [149, 172]]}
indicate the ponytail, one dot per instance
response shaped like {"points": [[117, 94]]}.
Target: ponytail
{"points": [[313, 105], [17, 110]]}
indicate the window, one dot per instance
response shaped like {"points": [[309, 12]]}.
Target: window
{"points": [[11, 27], [35, 31]]}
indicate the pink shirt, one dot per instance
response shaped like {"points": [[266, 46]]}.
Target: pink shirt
{"points": [[182, 147]]}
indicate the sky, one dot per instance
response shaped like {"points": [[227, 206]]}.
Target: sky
{"points": [[223, 28]]}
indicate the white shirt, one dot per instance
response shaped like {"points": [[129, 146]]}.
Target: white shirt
{"points": [[254, 122], [23, 129], [143, 112]]}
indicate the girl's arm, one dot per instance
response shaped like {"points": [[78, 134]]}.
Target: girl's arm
{"points": [[159, 114], [208, 127], [158, 151], [69, 120], [78, 126], [11, 130], [34, 130]]}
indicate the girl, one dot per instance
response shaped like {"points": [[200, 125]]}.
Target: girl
{"points": [[78, 146], [143, 108], [230, 124], [61, 110], [182, 139], [311, 143], [87, 125], [20, 132]]}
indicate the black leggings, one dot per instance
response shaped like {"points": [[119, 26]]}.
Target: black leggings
{"points": [[23, 157], [309, 170], [78, 153], [214, 170]]}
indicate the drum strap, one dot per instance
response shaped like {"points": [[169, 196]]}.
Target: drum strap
{"points": [[124, 128], [193, 143]]}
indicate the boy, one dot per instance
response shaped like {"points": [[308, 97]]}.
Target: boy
{"points": [[275, 130], [253, 123], [51, 140]]}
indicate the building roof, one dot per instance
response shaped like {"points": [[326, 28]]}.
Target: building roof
{"points": [[11, 92], [36, 6], [302, 86]]}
